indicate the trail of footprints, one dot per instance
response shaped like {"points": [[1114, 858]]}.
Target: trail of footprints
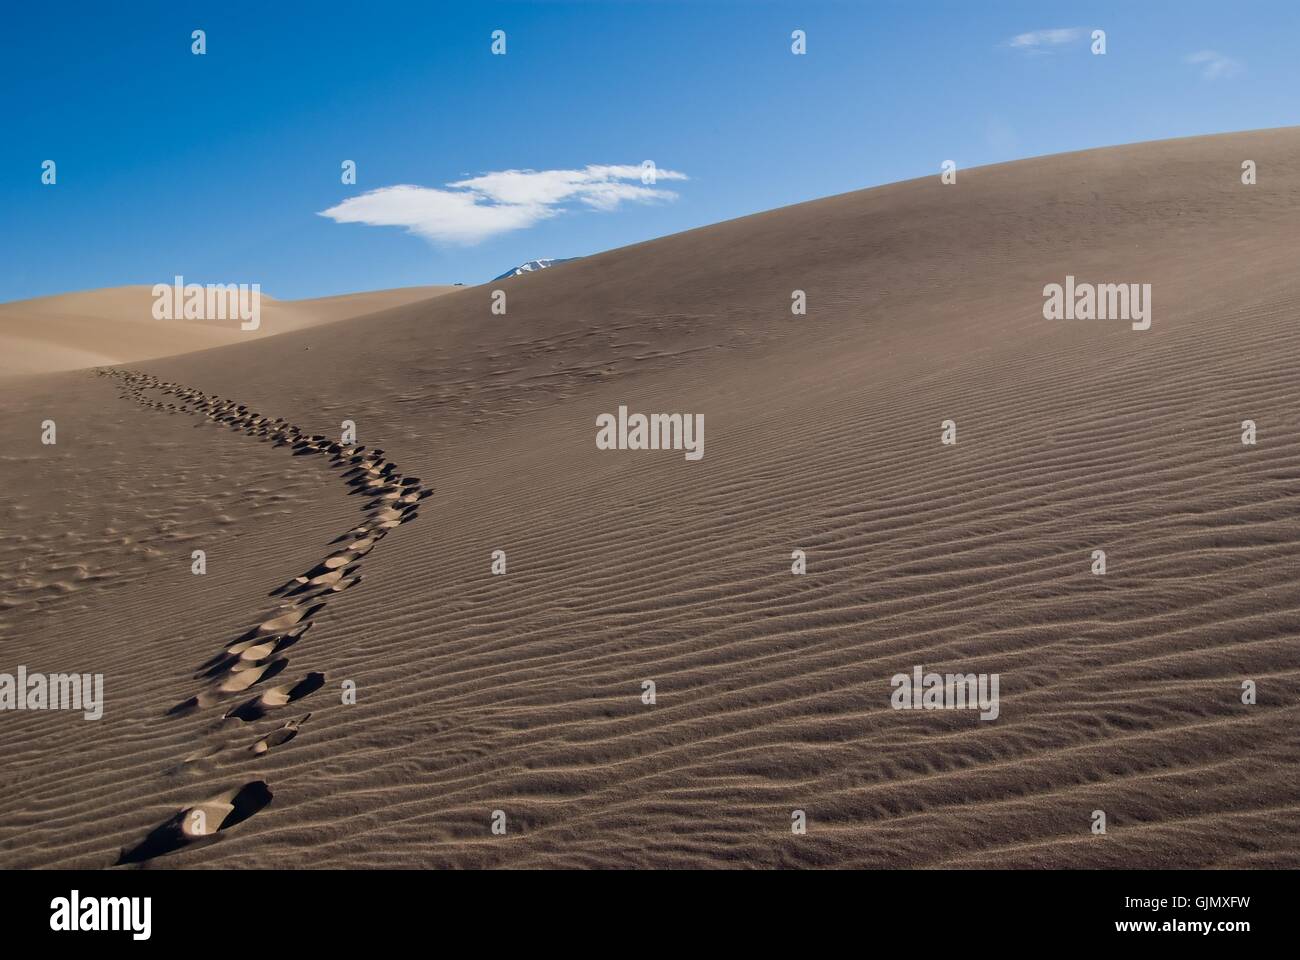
{"points": [[257, 656]]}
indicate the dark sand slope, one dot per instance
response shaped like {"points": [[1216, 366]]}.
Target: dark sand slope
{"points": [[522, 692]]}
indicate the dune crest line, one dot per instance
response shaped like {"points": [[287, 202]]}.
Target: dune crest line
{"points": [[257, 655]]}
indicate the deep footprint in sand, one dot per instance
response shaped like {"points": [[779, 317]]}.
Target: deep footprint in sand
{"points": [[285, 621], [244, 674], [277, 737], [304, 583], [201, 823], [243, 645], [276, 697], [197, 702]]}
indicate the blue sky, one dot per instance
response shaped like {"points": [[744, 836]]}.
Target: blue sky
{"points": [[217, 167]]}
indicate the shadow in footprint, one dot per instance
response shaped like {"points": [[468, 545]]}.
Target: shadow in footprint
{"points": [[247, 674], [193, 703], [281, 624], [239, 650], [309, 581], [277, 737], [193, 826], [280, 696]]}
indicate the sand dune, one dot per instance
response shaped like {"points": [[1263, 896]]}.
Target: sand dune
{"points": [[522, 693], [76, 330]]}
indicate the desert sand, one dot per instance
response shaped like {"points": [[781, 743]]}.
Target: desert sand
{"points": [[522, 692], [76, 330]]}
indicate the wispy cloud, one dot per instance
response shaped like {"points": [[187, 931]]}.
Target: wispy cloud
{"points": [[1214, 65], [1038, 40], [467, 211]]}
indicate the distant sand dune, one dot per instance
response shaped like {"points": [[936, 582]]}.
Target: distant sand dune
{"points": [[522, 693], [77, 330]]}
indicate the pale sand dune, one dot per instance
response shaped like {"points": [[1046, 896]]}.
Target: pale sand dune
{"points": [[76, 330], [521, 692]]}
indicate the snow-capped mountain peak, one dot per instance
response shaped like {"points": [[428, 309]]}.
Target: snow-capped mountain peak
{"points": [[531, 266]]}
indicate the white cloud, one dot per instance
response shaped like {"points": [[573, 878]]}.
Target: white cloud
{"points": [[1214, 65], [1039, 39], [468, 211]]}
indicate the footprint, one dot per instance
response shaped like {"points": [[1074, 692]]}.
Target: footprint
{"points": [[277, 737], [196, 702], [304, 583], [244, 674], [200, 824], [286, 621], [286, 639], [275, 697]]}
